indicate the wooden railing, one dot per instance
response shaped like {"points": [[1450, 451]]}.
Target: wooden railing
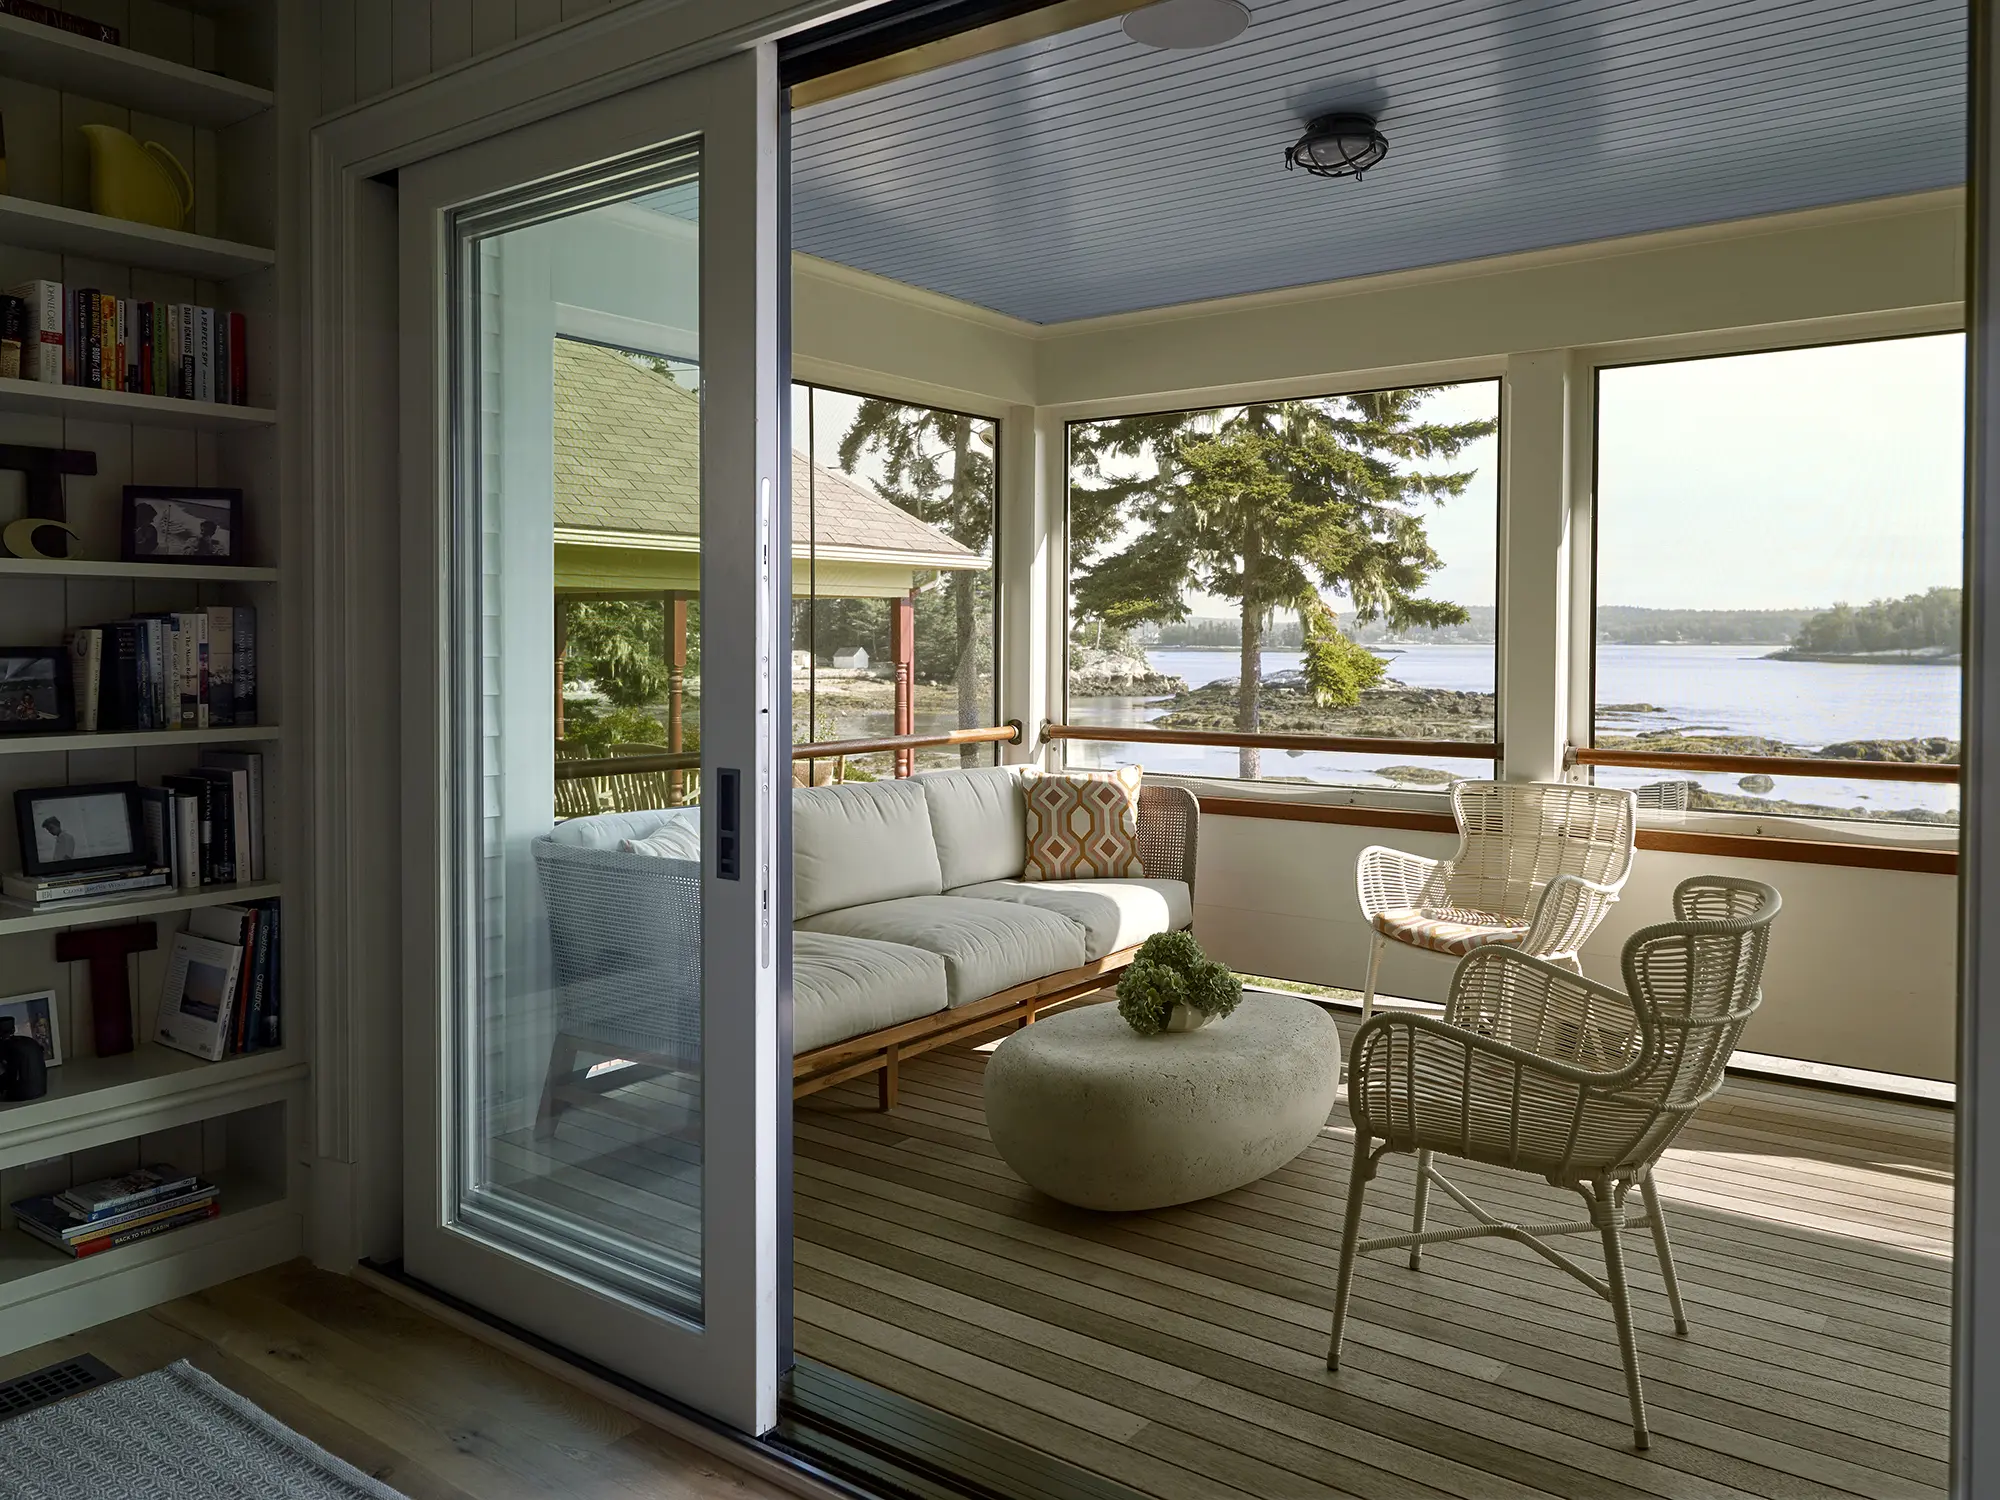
{"points": [[690, 760], [1235, 739], [1936, 773]]}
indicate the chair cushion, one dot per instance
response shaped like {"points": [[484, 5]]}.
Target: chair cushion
{"points": [[677, 840], [979, 821], [1083, 827], [845, 986], [987, 946], [862, 842], [611, 830], [1444, 929], [1113, 914]]}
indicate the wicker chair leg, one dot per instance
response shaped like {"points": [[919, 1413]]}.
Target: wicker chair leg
{"points": [[1611, 1222], [1663, 1247], [1422, 1207], [1350, 1240], [1374, 968], [562, 1063]]}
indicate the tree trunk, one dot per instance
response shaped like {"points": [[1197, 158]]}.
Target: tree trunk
{"points": [[970, 712], [1251, 670]]}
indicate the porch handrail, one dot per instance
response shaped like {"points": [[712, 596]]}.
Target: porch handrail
{"points": [[1233, 739], [1932, 772], [690, 760]]}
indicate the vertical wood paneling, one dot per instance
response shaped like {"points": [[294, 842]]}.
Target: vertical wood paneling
{"points": [[372, 48], [410, 43], [339, 33], [492, 25], [451, 33], [531, 16]]}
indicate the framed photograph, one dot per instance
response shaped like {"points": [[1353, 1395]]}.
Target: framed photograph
{"points": [[37, 690], [69, 829], [34, 1015], [181, 524]]}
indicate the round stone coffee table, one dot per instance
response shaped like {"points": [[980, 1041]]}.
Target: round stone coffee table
{"points": [[1094, 1114]]}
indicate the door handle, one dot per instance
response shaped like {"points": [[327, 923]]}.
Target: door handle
{"points": [[728, 823]]}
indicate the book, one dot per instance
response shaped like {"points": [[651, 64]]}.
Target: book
{"points": [[41, 329], [156, 815], [243, 672], [202, 793], [161, 385], [185, 343], [265, 1011], [198, 996], [221, 666], [246, 769], [118, 703], [239, 360], [107, 332], [187, 841], [86, 657], [60, 20], [79, 1249], [58, 1225], [122, 371], [13, 333], [231, 819], [27, 888], [204, 354], [104, 1196], [191, 635]]}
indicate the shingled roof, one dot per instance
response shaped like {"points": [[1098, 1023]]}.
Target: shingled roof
{"points": [[627, 464]]}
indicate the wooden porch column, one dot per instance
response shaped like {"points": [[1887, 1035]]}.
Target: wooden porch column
{"points": [[674, 620], [562, 654], [903, 652]]}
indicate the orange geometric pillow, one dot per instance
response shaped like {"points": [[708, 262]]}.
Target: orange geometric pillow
{"points": [[1084, 827]]}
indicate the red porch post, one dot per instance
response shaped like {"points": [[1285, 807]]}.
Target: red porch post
{"points": [[903, 652], [675, 611]]}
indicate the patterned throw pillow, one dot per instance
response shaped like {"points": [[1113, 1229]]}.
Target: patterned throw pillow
{"points": [[1083, 827]]}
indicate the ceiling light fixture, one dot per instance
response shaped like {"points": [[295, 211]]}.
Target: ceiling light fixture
{"points": [[1338, 146], [1186, 25]]}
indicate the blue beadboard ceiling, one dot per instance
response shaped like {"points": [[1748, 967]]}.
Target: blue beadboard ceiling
{"points": [[1085, 174]]}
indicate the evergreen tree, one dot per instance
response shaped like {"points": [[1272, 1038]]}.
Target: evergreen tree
{"points": [[938, 466], [1267, 505]]}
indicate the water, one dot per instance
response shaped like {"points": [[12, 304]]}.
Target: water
{"points": [[1706, 689]]}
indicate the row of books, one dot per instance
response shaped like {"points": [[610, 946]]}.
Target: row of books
{"points": [[185, 669], [220, 996], [112, 1211], [81, 336], [60, 19], [205, 827]]}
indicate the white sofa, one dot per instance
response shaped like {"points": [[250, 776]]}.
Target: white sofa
{"points": [[911, 927]]}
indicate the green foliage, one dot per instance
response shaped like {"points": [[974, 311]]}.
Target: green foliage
{"points": [[1337, 670], [590, 727], [618, 646], [1929, 621], [1168, 970]]}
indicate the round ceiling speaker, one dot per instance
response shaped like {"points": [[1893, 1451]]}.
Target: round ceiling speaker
{"points": [[1185, 25]]}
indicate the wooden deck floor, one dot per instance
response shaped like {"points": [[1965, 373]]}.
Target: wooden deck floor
{"points": [[1182, 1352]]}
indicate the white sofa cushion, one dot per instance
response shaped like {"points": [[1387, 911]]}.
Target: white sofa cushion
{"points": [[845, 986], [979, 820], [863, 842], [678, 840], [611, 830], [1113, 914], [987, 946]]}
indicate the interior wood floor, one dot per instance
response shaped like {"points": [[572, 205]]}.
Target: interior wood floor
{"points": [[1182, 1351], [428, 1410]]}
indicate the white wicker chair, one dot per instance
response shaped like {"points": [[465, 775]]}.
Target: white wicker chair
{"points": [[1538, 866], [1539, 1070]]}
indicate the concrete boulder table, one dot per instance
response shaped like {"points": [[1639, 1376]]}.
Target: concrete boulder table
{"points": [[1094, 1114]]}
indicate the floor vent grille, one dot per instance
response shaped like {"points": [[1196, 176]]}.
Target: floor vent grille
{"points": [[53, 1383]]}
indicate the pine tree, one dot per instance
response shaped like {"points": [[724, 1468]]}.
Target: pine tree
{"points": [[1268, 505]]}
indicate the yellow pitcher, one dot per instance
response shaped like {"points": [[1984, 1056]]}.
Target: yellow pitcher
{"points": [[146, 184]]}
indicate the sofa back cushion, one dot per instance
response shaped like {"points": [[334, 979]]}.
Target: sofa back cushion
{"points": [[979, 821], [860, 842], [1083, 826], [678, 825]]}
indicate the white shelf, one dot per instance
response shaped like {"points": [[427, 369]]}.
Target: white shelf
{"points": [[14, 918], [118, 75], [92, 1100], [88, 404], [71, 231], [77, 567], [43, 744]]}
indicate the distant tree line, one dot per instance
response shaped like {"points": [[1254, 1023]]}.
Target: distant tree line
{"points": [[1928, 621], [1627, 625]]}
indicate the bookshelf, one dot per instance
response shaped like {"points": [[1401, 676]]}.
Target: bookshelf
{"points": [[199, 87]]}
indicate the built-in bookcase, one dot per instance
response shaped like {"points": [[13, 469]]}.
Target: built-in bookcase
{"points": [[197, 78]]}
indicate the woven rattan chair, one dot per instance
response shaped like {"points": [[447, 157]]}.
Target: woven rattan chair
{"points": [[1539, 1070], [1538, 866]]}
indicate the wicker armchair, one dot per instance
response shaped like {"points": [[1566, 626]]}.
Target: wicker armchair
{"points": [[1538, 866], [1539, 1070]]}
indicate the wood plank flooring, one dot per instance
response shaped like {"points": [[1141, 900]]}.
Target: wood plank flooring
{"points": [[1182, 1352], [428, 1410]]}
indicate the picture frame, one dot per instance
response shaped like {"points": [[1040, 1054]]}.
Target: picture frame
{"points": [[69, 830], [181, 523], [36, 1014], [37, 691]]}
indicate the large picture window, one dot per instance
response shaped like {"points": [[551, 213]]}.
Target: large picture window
{"points": [[1780, 543], [1324, 565]]}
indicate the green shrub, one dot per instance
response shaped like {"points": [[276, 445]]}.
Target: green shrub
{"points": [[1170, 969]]}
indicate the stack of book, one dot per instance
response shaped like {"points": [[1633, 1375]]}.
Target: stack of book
{"points": [[81, 336], [221, 991], [113, 1211], [42, 891], [184, 669]]}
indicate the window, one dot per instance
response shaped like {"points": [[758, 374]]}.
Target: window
{"points": [[893, 510], [1780, 544], [1317, 566]]}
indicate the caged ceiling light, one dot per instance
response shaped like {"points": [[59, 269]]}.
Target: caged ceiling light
{"points": [[1338, 146]]}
